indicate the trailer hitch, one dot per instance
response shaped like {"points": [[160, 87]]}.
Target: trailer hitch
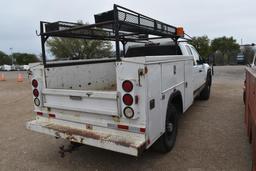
{"points": [[69, 149]]}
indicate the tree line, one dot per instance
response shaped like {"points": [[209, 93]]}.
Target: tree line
{"points": [[219, 51], [222, 50], [17, 58]]}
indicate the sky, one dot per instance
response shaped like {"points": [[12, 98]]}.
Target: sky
{"points": [[19, 19]]}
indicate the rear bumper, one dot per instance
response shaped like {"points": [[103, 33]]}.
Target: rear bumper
{"points": [[132, 145]]}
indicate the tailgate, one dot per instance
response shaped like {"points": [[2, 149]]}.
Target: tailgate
{"points": [[94, 102]]}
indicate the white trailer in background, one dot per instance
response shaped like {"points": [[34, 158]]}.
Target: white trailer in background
{"points": [[124, 105], [6, 67]]}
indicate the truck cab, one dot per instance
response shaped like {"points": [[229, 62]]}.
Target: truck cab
{"points": [[201, 70]]}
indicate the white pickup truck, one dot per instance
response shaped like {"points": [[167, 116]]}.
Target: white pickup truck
{"points": [[125, 105]]}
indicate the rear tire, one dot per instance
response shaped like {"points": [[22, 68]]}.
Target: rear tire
{"points": [[167, 141]]}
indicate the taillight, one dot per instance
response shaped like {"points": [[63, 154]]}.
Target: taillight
{"points": [[128, 112], [35, 92], [127, 86], [128, 99], [34, 83]]}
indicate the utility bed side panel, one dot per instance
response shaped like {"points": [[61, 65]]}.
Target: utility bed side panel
{"points": [[154, 104], [172, 74], [173, 79], [163, 79]]}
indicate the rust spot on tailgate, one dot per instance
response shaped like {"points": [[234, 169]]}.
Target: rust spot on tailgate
{"points": [[124, 143], [90, 134], [73, 131]]}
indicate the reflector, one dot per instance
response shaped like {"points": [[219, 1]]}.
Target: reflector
{"points": [[51, 115], [39, 113], [122, 127]]}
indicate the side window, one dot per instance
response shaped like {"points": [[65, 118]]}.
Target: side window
{"points": [[189, 50], [190, 53], [195, 54]]}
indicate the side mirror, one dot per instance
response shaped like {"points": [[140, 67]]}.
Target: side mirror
{"points": [[200, 61]]}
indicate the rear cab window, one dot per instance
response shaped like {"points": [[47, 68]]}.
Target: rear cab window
{"points": [[153, 50]]}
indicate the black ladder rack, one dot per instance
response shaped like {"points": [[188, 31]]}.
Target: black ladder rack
{"points": [[119, 25]]}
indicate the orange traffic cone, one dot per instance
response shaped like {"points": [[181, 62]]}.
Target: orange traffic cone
{"points": [[2, 77], [20, 78]]}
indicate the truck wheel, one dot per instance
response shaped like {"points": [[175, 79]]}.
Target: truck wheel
{"points": [[205, 94], [167, 141]]}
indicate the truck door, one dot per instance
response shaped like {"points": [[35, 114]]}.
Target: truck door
{"points": [[195, 74], [198, 69]]}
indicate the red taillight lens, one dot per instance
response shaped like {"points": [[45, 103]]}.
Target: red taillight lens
{"points": [[35, 92], [34, 83], [127, 86], [127, 99]]}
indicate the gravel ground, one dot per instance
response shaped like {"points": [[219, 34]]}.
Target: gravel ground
{"points": [[211, 135]]}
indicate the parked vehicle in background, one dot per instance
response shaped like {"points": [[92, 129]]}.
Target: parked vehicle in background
{"points": [[25, 67], [240, 59], [20, 67], [6, 67], [125, 104], [13, 68]]}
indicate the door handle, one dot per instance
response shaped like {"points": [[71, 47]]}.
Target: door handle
{"points": [[200, 70]]}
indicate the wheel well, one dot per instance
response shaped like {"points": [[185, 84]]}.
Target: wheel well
{"points": [[176, 100]]}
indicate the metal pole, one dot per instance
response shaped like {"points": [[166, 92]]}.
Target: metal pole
{"points": [[117, 33], [11, 54], [43, 39]]}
